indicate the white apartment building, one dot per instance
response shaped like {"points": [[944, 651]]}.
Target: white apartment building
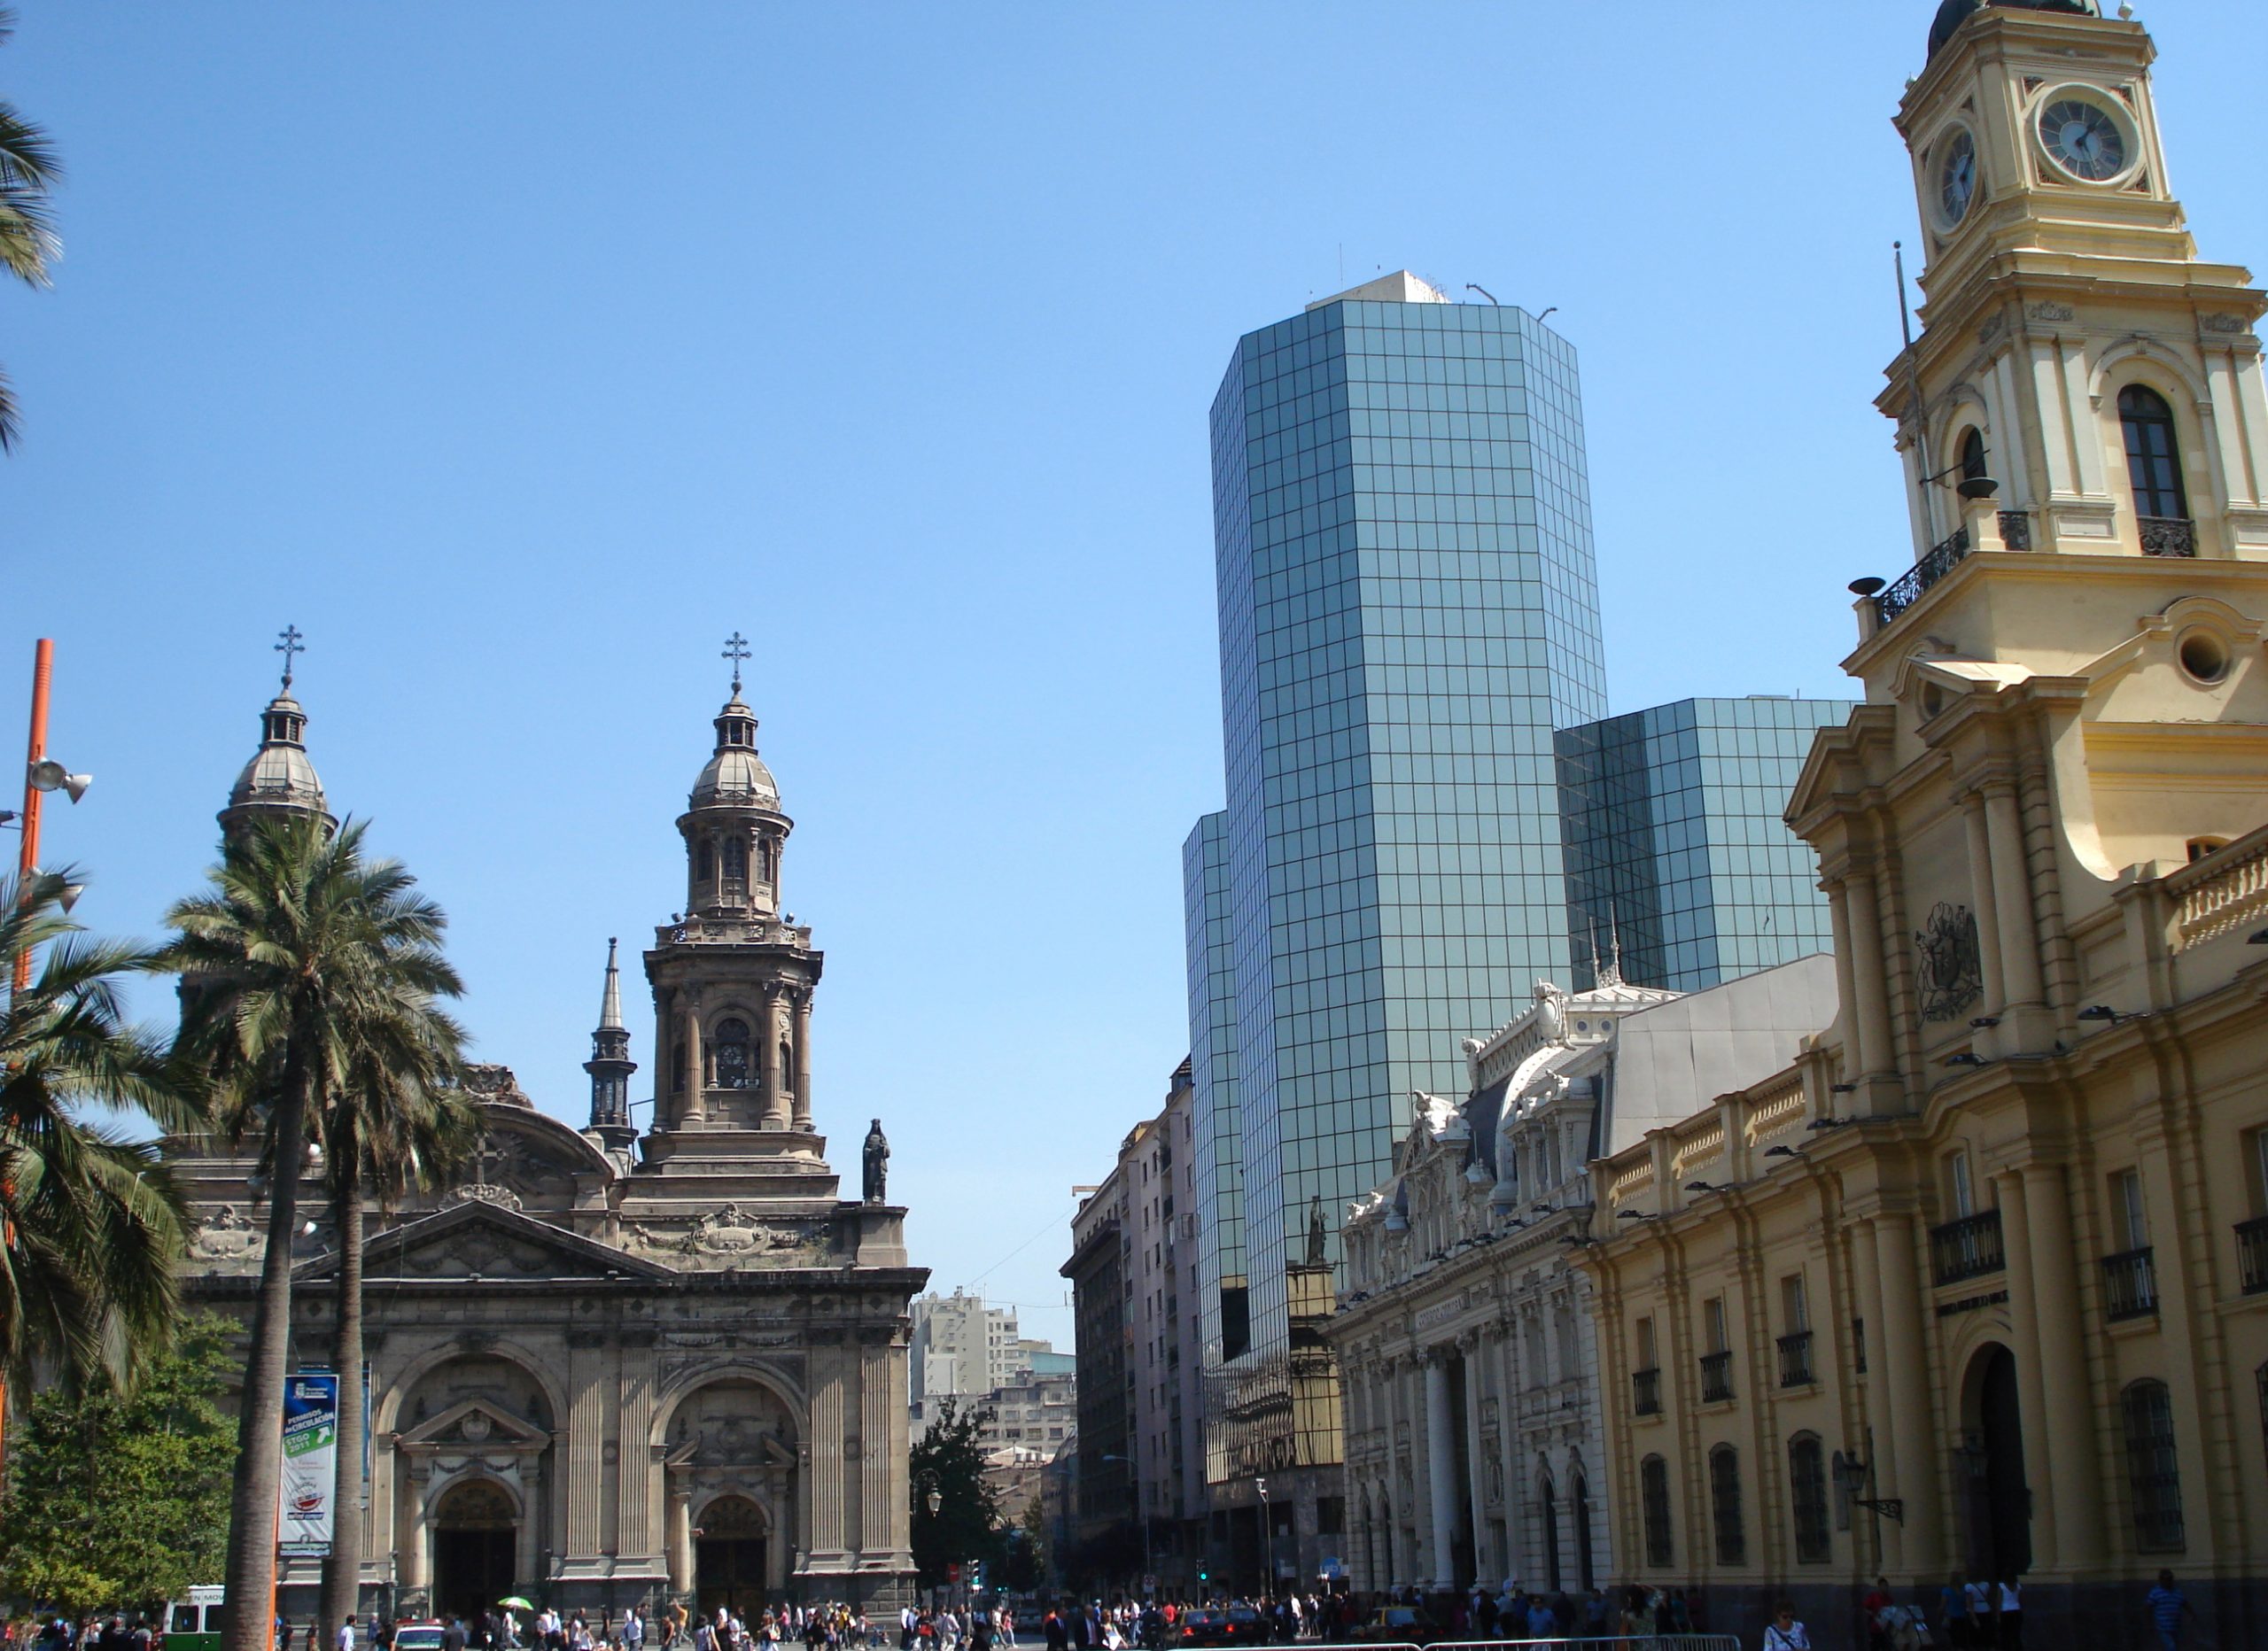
{"points": [[1157, 1165], [962, 1347]]}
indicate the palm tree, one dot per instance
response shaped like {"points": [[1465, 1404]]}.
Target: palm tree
{"points": [[302, 951], [397, 1122], [28, 171], [93, 1227]]}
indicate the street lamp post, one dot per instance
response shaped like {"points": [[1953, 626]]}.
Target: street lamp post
{"points": [[1149, 1566], [1266, 1536]]}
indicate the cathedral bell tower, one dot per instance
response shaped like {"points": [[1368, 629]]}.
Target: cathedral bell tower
{"points": [[733, 978], [2083, 383], [610, 1067], [279, 782]]}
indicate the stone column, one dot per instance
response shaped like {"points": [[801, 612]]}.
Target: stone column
{"points": [[680, 1535], [1981, 897], [2012, 896], [1508, 1448], [775, 1077], [828, 1467], [802, 1107], [2024, 1322], [1867, 979], [875, 1408], [2069, 1419], [1440, 1468], [415, 1550], [1846, 985], [697, 1070], [584, 1450], [1913, 1438], [1403, 1563], [1477, 1486], [637, 1543], [1866, 1263]]}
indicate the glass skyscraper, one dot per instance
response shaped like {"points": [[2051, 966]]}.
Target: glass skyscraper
{"points": [[1675, 843], [1408, 613]]}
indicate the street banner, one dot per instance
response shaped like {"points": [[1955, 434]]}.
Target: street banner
{"points": [[310, 1463]]}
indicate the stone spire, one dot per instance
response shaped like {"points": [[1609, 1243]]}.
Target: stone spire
{"points": [[279, 782], [611, 1066]]}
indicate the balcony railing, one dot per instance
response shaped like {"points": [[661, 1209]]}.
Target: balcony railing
{"points": [[2169, 536], [2252, 1254], [1646, 1392], [1795, 1360], [1939, 561], [1968, 1248], [1716, 1378], [2130, 1284]]}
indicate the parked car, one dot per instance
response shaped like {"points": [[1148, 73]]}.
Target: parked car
{"points": [[418, 1635], [193, 1623]]}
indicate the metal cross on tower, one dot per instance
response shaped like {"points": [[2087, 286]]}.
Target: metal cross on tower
{"points": [[737, 650], [293, 642]]}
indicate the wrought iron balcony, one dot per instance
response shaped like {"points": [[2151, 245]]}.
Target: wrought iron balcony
{"points": [[2130, 1284], [2252, 1254], [1968, 1248], [1795, 1360], [1646, 1392], [1716, 1378], [1941, 559], [2168, 536]]}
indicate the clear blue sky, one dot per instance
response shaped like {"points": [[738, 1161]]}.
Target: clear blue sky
{"points": [[517, 353]]}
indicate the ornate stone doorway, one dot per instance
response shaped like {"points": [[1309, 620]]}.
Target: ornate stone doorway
{"points": [[729, 1555], [1997, 1501], [475, 1539]]}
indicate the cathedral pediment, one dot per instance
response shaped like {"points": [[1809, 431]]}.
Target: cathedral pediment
{"points": [[486, 1241], [476, 1425]]}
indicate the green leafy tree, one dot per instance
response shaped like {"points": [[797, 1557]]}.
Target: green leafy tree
{"points": [[119, 1497], [304, 950], [28, 172], [967, 1526], [1024, 1564], [90, 1226]]}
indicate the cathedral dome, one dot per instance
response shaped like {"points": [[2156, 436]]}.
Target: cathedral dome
{"points": [[735, 776], [279, 775], [1953, 14]]}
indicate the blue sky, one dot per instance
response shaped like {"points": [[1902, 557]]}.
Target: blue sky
{"points": [[519, 354]]}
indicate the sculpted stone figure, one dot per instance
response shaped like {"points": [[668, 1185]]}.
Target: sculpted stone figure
{"points": [[877, 1164]]}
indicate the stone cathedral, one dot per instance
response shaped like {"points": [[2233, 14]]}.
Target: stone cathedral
{"points": [[617, 1366]]}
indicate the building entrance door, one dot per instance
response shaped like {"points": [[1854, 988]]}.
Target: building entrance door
{"points": [[1999, 1502], [476, 1539], [729, 1555]]}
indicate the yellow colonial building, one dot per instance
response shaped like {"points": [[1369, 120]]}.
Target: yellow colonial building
{"points": [[1980, 1284]]}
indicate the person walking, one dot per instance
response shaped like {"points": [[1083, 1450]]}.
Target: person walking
{"points": [[1785, 1633], [2167, 1608]]}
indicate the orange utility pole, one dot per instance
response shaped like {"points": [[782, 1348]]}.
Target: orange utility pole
{"points": [[26, 857]]}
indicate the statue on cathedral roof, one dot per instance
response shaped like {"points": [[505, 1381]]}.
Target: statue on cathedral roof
{"points": [[877, 1164]]}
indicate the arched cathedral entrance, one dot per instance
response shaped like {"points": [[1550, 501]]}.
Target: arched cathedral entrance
{"points": [[729, 1557], [1998, 1502], [475, 1537]]}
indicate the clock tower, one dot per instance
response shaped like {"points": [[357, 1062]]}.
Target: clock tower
{"points": [[2083, 384]]}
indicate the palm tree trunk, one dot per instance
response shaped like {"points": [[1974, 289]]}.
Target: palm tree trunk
{"points": [[259, 1421], [342, 1569]]}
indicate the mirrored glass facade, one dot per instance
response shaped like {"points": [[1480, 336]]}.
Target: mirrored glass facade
{"points": [[1674, 842], [1224, 1319], [1408, 612]]}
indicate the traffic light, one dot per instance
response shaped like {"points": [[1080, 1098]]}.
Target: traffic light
{"points": [[976, 1574]]}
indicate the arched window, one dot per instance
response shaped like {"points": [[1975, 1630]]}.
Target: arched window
{"points": [[1653, 1497], [2153, 455], [763, 862], [735, 863], [2153, 1472], [678, 1064], [704, 861], [1972, 455], [1724, 1505], [728, 1048], [787, 1067], [1807, 1498]]}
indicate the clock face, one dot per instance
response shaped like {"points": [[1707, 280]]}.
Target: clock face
{"points": [[1957, 176], [2084, 138]]}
